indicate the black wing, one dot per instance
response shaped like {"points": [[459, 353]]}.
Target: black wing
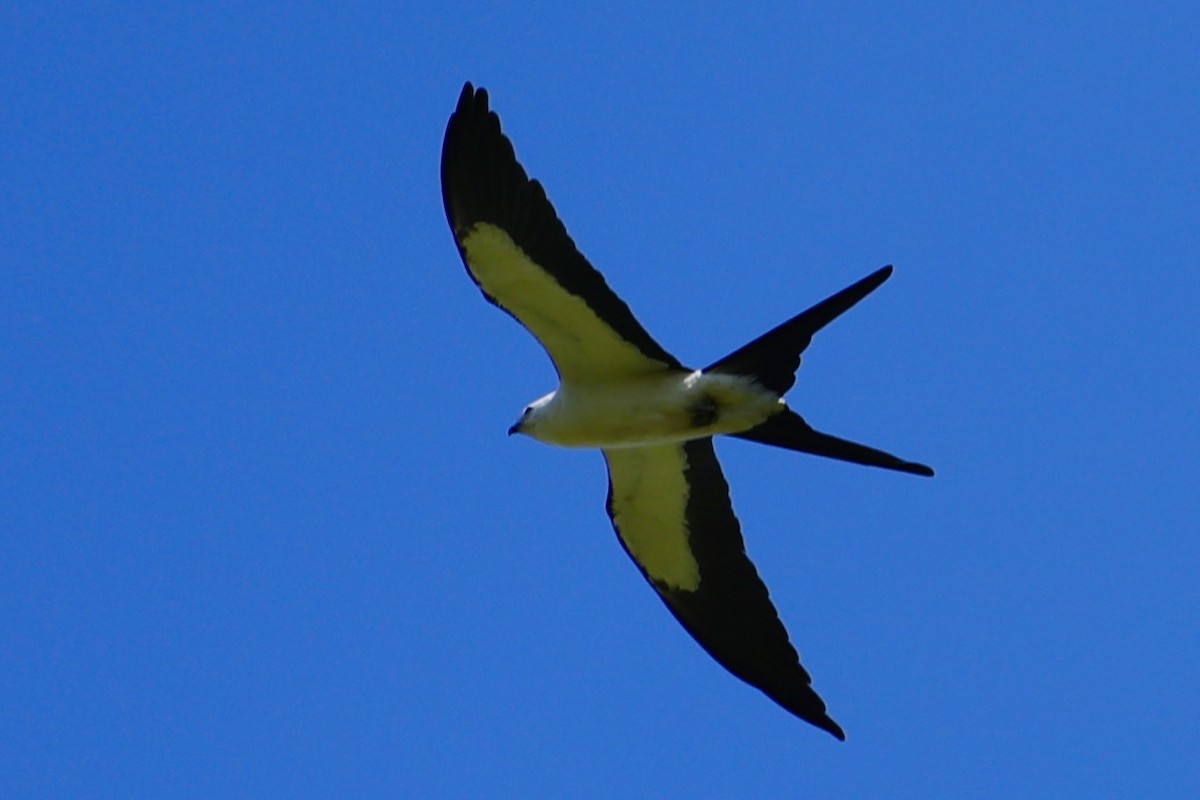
{"points": [[519, 254], [670, 507]]}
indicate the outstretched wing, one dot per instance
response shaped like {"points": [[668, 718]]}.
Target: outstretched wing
{"points": [[670, 507], [519, 254]]}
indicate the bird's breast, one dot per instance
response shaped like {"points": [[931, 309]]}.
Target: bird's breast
{"points": [[654, 409]]}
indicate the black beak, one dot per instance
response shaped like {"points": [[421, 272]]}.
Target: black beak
{"points": [[514, 429]]}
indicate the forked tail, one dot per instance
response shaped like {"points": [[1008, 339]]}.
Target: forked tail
{"points": [[774, 357], [788, 430]]}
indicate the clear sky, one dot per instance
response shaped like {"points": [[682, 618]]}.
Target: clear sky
{"points": [[262, 533]]}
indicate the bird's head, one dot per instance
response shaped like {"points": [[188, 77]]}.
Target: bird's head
{"points": [[534, 413]]}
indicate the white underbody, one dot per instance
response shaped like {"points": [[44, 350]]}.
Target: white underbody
{"points": [[660, 407], [612, 394]]}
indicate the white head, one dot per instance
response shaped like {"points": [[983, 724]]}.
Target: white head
{"points": [[531, 416]]}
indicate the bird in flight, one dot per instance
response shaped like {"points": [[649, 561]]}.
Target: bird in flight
{"points": [[653, 418]]}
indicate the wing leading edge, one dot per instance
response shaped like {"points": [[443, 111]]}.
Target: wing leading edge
{"points": [[521, 257], [670, 507]]}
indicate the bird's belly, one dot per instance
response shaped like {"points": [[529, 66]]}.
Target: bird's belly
{"points": [[690, 409], [636, 426]]}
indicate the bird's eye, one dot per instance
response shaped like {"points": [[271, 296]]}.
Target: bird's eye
{"points": [[525, 413]]}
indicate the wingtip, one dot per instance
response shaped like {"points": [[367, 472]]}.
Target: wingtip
{"points": [[832, 728], [472, 100], [465, 97], [874, 280], [918, 469]]}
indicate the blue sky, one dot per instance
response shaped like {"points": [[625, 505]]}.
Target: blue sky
{"points": [[261, 531]]}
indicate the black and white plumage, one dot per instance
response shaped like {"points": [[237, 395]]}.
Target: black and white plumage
{"points": [[652, 417]]}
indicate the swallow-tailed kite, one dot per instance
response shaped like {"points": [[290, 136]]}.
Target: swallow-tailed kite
{"points": [[652, 417]]}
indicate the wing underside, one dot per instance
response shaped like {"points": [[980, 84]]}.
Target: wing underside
{"points": [[521, 257], [670, 507]]}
